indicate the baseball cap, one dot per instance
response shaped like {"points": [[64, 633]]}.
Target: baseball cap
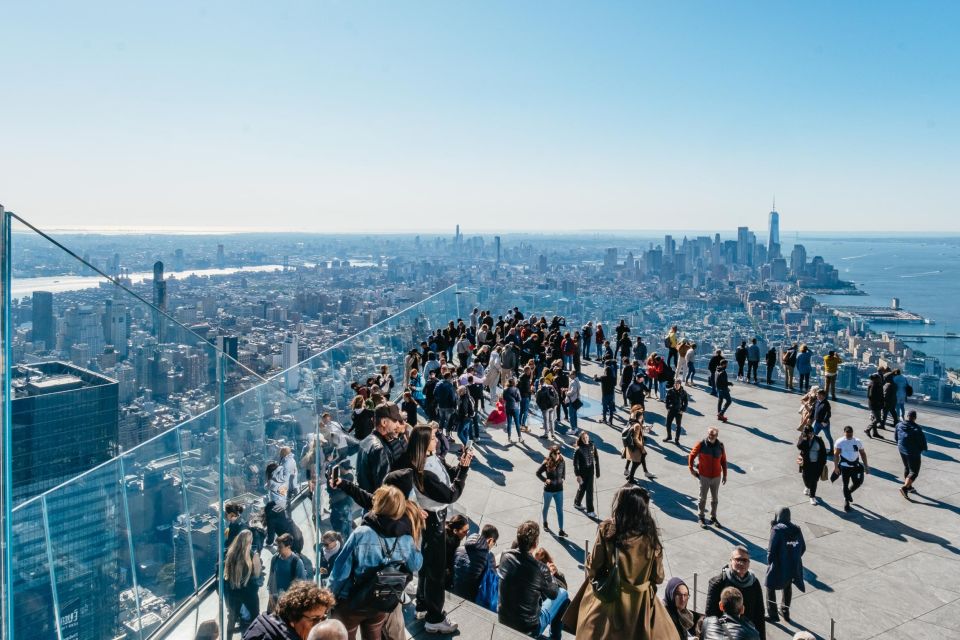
{"points": [[388, 410]]}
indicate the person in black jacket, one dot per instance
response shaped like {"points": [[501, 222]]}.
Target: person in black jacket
{"points": [[875, 401], [737, 574], [454, 532], [813, 458], [472, 559], [436, 485], [608, 385], [637, 391], [676, 406], [771, 361], [298, 610], [732, 624], [723, 391], [740, 355], [552, 473], [821, 416], [378, 452], [529, 589], [362, 419], [712, 366], [586, 467], [784, 564]]}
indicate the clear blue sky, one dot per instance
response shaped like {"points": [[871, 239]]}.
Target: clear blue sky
{"points": [[498, 115]]}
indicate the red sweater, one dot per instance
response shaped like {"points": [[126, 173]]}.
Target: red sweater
{"points": [[711, 459]]}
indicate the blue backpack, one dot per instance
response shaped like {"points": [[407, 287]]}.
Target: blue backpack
{"points": [[488, 595]]}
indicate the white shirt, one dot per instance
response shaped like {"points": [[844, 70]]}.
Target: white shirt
{"points": [[850, 449], [573, 391]]}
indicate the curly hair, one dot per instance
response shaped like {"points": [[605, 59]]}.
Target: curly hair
{"points": [[300, 598]]}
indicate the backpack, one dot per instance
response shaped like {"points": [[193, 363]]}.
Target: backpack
{"points": [[380, 588], [626, 437], [909, 391], [667, 343], [544, 400]]}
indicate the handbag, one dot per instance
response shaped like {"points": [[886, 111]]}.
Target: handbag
{"points": [[823, 473], [576, 404], [607, 587]]}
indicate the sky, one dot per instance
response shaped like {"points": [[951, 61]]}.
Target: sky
{"points": [[499, 116]]}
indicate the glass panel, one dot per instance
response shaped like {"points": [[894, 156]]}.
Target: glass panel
{"points": [[33, 596]]}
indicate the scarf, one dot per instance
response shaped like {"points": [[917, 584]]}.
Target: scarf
{"points": [[738, 582], [685, 616]]}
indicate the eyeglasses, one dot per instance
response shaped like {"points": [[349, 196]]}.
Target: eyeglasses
{"points": [[315, 619], [746, 560], [681, 595]]}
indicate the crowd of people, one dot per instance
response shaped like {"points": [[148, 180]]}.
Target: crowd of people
{"points": [[500, 372]]}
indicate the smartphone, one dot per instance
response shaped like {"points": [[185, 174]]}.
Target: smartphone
{"points": [[336, 474], [469, 445]]}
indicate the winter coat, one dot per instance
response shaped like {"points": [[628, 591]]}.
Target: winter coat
{"points": [[524, 584], [511, 399], [753, 602], [727, 627], [804, 362], [586, 462], [784, 553], [668, 601], [676, 400], [710, 458], [636, 393], [804, 446], [469, 563], [268, 626], [910, 438], [740, 355], [638, 614], [753, 353], [636, 452], [554, 477], [822, 412], [875, 390]]}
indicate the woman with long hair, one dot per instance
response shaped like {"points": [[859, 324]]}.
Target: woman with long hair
{"points": [[629, 541], [634, 450], [436, 486], [552, 473], [586, 467], [390, 531], [241, 573]]}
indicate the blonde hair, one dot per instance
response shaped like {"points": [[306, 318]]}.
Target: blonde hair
{"points": [[388, 501], [238, 565]]}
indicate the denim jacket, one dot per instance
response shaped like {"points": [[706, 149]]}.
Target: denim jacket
{"points": [[363, 551]]}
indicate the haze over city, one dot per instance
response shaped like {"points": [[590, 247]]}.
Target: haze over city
{"points": [[341, 117]]}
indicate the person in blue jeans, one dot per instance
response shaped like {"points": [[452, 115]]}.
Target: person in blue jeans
{"points": [[552, 474], [821, 417], [511, 404]]}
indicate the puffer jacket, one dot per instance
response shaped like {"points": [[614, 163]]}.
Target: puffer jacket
{"points": [[469, 563], [268, 626], [727, 627], [524, 584]]}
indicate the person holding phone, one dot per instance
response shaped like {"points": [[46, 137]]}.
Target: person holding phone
{"points": [[552, 473]]}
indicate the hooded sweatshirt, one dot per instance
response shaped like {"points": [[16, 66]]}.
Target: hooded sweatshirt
{"points": [[784, 553]]}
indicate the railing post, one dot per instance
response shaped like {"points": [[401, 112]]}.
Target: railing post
{"points": [[221, 488], [695, 592], [586, 554], [6, 433], [833, 627]]}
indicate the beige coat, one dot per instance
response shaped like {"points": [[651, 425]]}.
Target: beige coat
{"points": [[639, 614], [636, 453]]}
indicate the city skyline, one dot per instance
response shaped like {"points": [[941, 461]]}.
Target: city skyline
{"points": [[356, 116]]}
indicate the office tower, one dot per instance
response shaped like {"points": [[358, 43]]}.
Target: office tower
{"points": [[773, 243], [610, 259], [44, 329], [798, 260], [669, 248], [289, 361], [778, 269], [221, 258], [716, 252], [115, 328], [159, 300], [82, 325], [542, 263], [497, 240], [178, 260], [743, 245]]}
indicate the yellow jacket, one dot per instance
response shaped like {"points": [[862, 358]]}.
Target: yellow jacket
{"points": [[830, 363]]}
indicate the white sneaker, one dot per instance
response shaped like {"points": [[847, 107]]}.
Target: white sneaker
{"points": [[813, 501], [806, 491], [444, 626], [421, 615], [591, 514]]}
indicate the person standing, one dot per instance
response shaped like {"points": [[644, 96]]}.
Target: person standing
{"points": [[831, 364], [850, 462], [586, 467], [573, 403], [712, 367], [586, 333], [436, 485], [634, 450], [875, 401], [821, 416], [690, 358], [789, 360], [285, 567], [599, 339], [240, 576], [900, 381], [525, 387], [708, 463], [640, 350], [552, 473], [379, 451], [672, 341], [626, 378], [889, 401], [737, 574], [676, 406], [548, 401], [771, 361], [608, 384], [812, 459], [723, 391], [753, 360], [445, 395], [511, 404], [804, 367], [784, 563], [629, 542], [740, 355], [911, 443]]}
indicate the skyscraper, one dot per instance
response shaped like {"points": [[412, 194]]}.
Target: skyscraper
{"points": [[497, 239], [289, 361], [610, 259], [798, 260], [43, 326], [773, 243], [159, 299], [743, 245]]}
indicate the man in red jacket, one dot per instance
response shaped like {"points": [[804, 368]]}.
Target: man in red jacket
{"points": [[711, 469]]}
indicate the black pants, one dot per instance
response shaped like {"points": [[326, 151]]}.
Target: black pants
{"points": [[889, 411], [632, 466], [770, 369], [772, 597], [672, 356], [740, 369], [811, 478], [672, 415], [876, 415], [852, 479], [585, 489], [752, 369], [430, 591], [911, 465], [246, 596], [804, 381]]}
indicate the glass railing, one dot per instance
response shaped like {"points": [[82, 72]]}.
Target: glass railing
{"points": [[132, 429]]}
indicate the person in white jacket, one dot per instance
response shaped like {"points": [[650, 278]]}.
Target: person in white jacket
{"points": [[493, 372]]}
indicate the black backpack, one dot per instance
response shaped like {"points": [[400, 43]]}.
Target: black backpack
{"points": [[667, 343], [380, 588], [626, 436]]}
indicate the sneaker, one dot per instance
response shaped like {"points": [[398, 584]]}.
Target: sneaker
{"points": [[785, 613], [578, 507], [806, 491], [867, 431], [562, 533], [546, 527], [911, 490], [444, 626], [813, 501], [649, 475], [702, 521], [592, 514], [716, 523], [905, 493], [846, 505], [421, 615], [666, 439]]}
